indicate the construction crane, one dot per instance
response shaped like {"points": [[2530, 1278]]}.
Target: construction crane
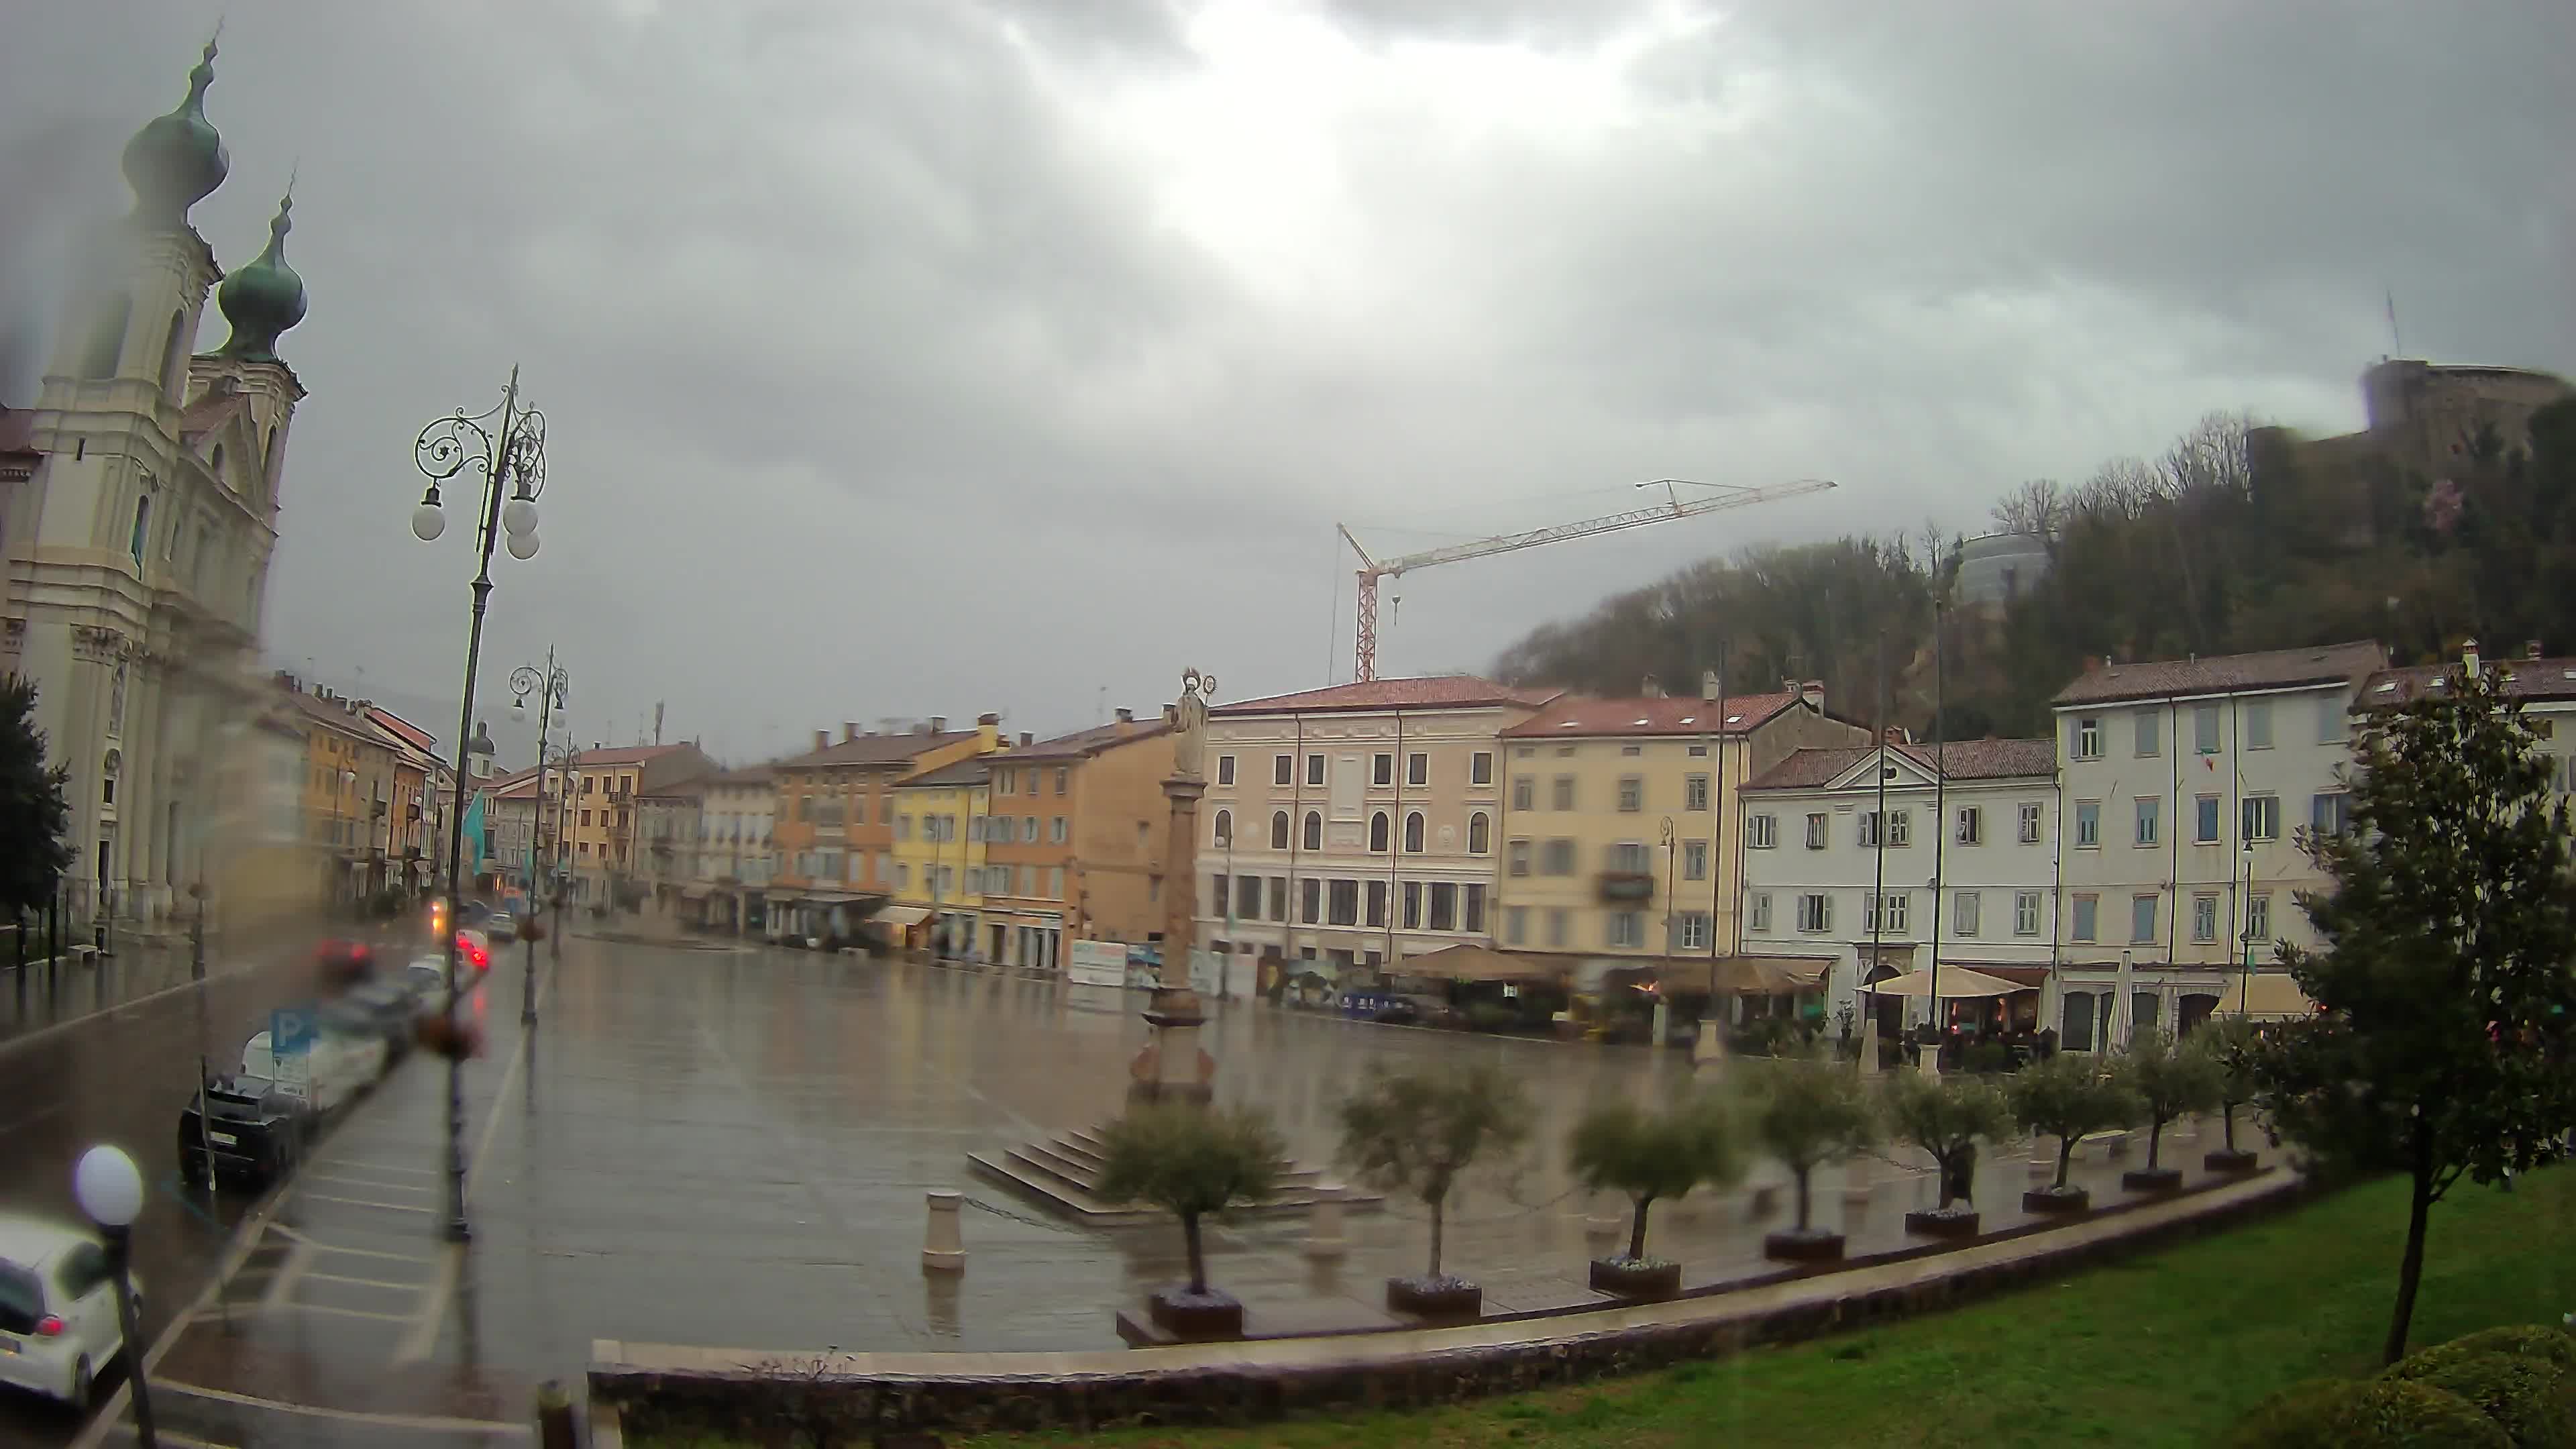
{"points": [[1372, 569]]}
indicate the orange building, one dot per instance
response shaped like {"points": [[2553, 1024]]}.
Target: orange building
{"points": [[1073, 848], [834, 828], [598, 821]]}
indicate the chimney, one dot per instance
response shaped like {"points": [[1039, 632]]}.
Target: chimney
{"points": [[1710, 687], [989, 719], [822, 739], [2469, 655], [939, 724], [1027, 739], [2531, 649], [1652, 688], [849, 730], [2093, 665], [1813, 693], [1126, 716]]}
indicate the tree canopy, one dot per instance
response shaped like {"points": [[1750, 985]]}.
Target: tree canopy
{"points": [[1417, 1132], [1190, 1161], [2070, 1096], [2446, 998], [34, 817]]}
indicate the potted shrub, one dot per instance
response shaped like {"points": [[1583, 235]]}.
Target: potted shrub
{"points": [[1191, 1162], [2068, 1096], [1808, 1113], [1648, 1155], [2170, 1078], [2232, 1040], [1947, 1117], [1419, 1132]]}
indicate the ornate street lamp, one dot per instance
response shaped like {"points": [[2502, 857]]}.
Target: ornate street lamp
{"points": [[507, 446], [549, 685], [110, 1190]]}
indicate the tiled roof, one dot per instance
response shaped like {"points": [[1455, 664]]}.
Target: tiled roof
{"points": [[2524, 679], [874, 750], [1962, 759], [969, 771], [334, 714], [1438, 691], [2224, 674], [1574, 716], [210, 412], [746, 776], [402, 729], [1082, 744], [621, 755], [17, 442]]}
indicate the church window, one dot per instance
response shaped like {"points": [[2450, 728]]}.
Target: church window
{"points": [[107, 338], [142, 528]]}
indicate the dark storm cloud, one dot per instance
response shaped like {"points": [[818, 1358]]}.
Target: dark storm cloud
{"points": [[893, 368]]}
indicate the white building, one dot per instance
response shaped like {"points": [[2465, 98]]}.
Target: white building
{"points": [[2183, 784], [1358, 824], [1823, 880], [734, 852], [138, 549]]}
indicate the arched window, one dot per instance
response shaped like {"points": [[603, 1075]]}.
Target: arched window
{"points": [[107, 337], [1279, 830], [1314, 830], [1377, 831], [1225, 827], [215, 465], [1413, 832], [142, 528], [1480, 833], [172, 349]]}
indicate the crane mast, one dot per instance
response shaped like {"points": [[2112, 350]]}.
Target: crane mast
{"points": [[1373, 569]]}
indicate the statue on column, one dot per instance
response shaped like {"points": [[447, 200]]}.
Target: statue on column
{"points": [[1189, 725]]}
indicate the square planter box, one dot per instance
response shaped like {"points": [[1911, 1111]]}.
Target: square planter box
{"points": [[1198, 1317], [1815, 1245], [1933, 1223], [2225, 1160], [2152, 1179], [1445, 1298], [1640, 1278], [2048, 1200]]}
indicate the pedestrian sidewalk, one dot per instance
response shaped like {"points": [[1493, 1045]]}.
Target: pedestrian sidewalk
{"points": [[81, 983]]}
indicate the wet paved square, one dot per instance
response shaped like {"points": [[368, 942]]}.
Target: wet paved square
{"points": [[731, 1148]]}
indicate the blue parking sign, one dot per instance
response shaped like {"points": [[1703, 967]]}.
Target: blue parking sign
{"points": [[290, 1030]]}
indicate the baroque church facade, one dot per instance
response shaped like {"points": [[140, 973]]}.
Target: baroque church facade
{"points": [[138, 547]]}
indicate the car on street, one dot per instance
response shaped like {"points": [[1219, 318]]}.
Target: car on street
{"points": [[58, 1318], [376, 1007], [502, 927], [426, 980], [474, 949], [249, 1131], [339, 1065]]}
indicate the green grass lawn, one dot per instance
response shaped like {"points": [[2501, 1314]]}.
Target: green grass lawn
{"points": [[2166, 1349]]}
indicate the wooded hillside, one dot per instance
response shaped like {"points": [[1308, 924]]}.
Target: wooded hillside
{"points": [[2149, 558]]}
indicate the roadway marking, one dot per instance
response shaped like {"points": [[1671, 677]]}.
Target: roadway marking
{"points": [[354, 1416], [302, 1307], [374, 1166], [391, 1207], [410, 1287], [298, 1259], [367, 1182], [431, 1312]]}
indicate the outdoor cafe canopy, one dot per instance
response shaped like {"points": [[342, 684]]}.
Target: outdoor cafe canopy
{"points": [[1956, 982], [1476, 963]]}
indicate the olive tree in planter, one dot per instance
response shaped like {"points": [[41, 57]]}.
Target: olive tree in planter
{"points": [[2172, 1078], [1947, 1117], [1191, 1162], [1650, 1155], [2068, 1096], [1419, 1132], [1808, 1113], [2233, 1040]]}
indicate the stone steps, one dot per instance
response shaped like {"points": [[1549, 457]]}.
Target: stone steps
{"points": [[1063, 1175]]}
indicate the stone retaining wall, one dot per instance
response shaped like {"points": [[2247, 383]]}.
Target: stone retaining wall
{"points": [[720, 1393]]}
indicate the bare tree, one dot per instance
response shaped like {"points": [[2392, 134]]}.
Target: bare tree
{"points": [[2038, 506]]}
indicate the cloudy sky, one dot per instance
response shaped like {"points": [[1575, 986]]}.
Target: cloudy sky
{"points": [[910, 357]]}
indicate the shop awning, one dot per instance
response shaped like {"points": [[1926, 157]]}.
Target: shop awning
{"points": [[1957, 982], [2028, 978], [1476, 963], [901, 916], [1734, 975], [2270, 995]]}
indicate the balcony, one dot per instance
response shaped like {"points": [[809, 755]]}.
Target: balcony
{"points": [[1627, 887]]}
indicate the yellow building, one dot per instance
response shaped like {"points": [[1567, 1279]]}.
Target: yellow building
{"points": [[349, 792], [1621, 820], [941, 817]]}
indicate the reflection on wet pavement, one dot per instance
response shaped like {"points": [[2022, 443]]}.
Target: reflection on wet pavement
{"points": [[732, 1149]]}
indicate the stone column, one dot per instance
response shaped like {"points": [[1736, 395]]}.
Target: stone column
{"points": [[1172, 1067]]}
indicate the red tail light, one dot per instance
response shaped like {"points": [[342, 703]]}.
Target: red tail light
{"points": [[481, 961], [49, 1327]]}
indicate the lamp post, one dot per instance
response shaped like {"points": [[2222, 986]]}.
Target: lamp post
{"points": [[549, 685], [507, 446], [2245, 910], [110, 1190]]}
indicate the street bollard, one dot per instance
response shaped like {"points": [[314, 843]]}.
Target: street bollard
{"points": [[1324, 1238], [1860, 1180], [555, 1428], [1603, 1225], [943, 1246]]}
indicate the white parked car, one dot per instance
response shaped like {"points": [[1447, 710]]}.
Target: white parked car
{"points": [[339, 1067], [58, 1322]]}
